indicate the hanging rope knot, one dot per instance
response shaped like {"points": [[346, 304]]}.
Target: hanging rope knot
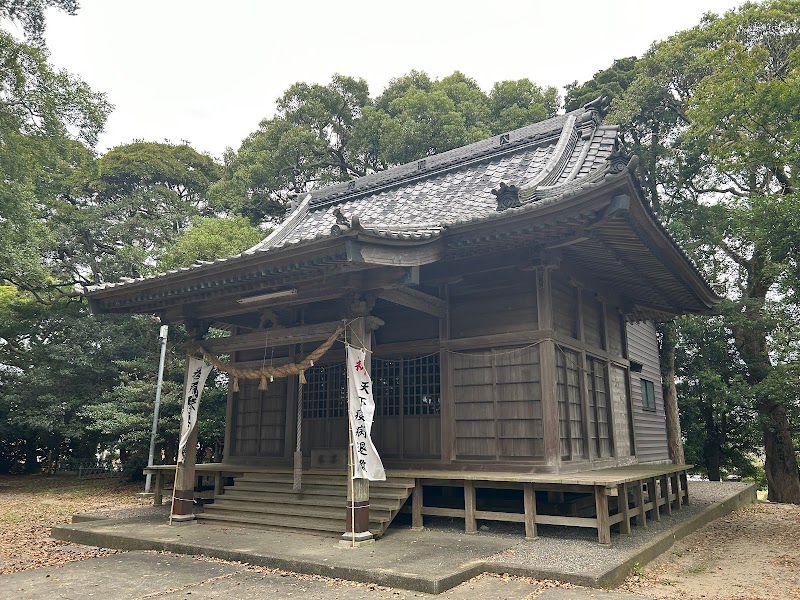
{"points": [[263, 384]]}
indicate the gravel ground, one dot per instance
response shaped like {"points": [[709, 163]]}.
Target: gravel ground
{"points": [[575, 550]]}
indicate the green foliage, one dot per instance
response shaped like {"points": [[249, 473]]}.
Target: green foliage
{"points": [[45, 118], [712, 113], [325, 134], [611, 82], [718, 415], [209, 239], [30, 14]]}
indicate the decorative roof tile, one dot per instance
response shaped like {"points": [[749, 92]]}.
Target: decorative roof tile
{"points": [[419, 200]]}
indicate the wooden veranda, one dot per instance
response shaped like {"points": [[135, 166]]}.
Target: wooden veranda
{"points": [[596, 499]]}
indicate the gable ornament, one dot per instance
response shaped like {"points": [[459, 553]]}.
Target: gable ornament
{"points": [[507, 197]]}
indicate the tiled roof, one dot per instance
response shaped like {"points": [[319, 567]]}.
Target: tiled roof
{"points": [[419, 200]]}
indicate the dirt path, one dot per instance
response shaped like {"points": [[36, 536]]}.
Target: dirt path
{"points": [[753, 554]]}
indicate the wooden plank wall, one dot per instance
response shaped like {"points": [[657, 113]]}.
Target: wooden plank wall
{"points": [[498, 404], [259, 420], [505, 302], [650, 426]]}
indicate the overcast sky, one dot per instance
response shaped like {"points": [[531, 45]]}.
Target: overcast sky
{"points": [[207, 71]]}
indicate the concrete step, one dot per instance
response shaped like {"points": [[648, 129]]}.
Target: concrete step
{"points": [[302, 500], [315, 479], [314, 526], [316, 490], [225, 506]]}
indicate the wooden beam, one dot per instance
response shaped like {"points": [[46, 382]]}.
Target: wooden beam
{"points": [[416, 300], [272, 337]]}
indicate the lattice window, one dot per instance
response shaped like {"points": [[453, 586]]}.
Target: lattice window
{"points": [[387, 386], [421, 385], [570, 408], [599, 406], [325, 392], [410, 386]]}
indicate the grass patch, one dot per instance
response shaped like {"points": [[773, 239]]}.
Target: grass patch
{"points": [[697, 570]]}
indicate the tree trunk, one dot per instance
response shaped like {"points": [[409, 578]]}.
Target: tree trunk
{"points": [[783, 474], [669, 339], [783, 477], [713, 451]]}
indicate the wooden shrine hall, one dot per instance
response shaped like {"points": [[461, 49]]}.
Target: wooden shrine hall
{"points": [[507, 291]]}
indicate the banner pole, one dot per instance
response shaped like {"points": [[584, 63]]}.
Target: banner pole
{"points": [[352, 491]]}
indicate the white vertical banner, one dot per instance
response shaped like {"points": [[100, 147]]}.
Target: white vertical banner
{"points": [[366, 462], [198, 372]]}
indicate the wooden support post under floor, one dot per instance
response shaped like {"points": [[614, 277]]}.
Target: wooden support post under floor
{"points": [[601, 506], [684, 486], [653, 495], [469, 508], [638, 492], [416, 506], [624, 508], [530, 510], [665, 493]]}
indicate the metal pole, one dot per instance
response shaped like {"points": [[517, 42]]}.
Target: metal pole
{"points": [[162, 337]]}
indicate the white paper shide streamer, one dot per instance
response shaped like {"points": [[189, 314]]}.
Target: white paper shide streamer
{"points": [[366, 462], [198, 372]]}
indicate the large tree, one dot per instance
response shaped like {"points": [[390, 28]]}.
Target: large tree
{"points": [[721, 101], [324, 134]]}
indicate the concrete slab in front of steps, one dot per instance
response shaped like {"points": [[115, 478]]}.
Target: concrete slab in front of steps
{"points": [[425, 561], [429, 561]]}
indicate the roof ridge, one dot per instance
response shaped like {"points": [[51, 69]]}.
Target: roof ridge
{"points": [[429, 166]]}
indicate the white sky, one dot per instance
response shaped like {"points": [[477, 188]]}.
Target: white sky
{"points": [[207, 71]]}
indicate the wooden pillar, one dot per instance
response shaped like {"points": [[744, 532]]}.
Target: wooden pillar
{"points": [[530, 510], [624, 508], [470, 526], [416, 506], [357, 526], [666, 494], [601, 508], [684, 487], [653, 495], [676, 487], [638, 492], [547, 369], [185, 478], [447, 417]]}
